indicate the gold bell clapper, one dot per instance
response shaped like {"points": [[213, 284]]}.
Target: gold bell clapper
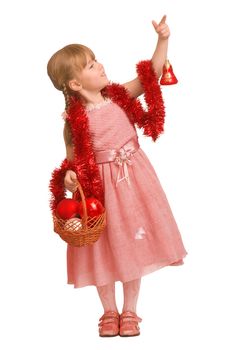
{"points": [[168, 77]]}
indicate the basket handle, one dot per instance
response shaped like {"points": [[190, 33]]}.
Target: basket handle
{"points": [[83, 202]]}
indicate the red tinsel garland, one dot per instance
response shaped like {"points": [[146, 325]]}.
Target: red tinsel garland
{"points": [[56, 184], [86, 168], [84, 163], [153, 121]]}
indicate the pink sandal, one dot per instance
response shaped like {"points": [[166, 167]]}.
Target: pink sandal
{"points": [[109, 325], [129, 324]]}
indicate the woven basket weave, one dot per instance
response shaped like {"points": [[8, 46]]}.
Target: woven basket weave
{"points": [[84, 233]]}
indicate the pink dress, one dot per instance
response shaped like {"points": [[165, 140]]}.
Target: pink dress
{"points": [[141, 234]]}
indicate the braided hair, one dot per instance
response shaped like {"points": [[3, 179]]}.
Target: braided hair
{"points": [[66, 97]]}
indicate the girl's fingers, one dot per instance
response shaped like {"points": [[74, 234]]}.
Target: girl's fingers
{"points": [[72, 188], [155, 25], [163, 31], [72, 185], [73, 176], [162, 27], [161, 24], [163, 19]]}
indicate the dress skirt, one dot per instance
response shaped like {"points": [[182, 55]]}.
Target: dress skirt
{"points": [[141, 235]]}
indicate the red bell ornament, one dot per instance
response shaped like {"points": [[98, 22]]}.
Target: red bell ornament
{"points": [[168, 77]]}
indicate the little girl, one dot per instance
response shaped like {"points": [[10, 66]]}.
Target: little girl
{"points": [[141, 234]]}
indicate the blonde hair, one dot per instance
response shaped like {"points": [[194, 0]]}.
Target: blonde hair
{"points": [[65, 64], [63, 67]]}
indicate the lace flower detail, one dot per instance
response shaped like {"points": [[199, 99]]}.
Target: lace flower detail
{"points": [[92, 106]]}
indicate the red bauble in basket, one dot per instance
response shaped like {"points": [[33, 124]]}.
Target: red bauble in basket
{"points": [[67, 208], [79, 223], [93, 207]]}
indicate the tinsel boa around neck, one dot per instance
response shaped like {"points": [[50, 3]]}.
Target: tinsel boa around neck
{"points": [[84, 164]]}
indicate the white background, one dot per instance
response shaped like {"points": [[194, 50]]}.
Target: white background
{"points": [[187, 307]]}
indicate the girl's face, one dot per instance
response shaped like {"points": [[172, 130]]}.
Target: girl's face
{"points": [[93, 77]]}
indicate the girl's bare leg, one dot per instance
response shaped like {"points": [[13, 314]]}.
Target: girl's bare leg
{"points": [[131, 293], [107, 296]]}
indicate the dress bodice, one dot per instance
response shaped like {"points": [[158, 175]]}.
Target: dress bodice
{"points": [[109, 126]]}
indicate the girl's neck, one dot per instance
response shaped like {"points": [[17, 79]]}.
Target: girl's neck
{"points": [[92, 98]]}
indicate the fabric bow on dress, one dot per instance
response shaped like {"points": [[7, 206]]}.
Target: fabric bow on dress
{"points": [[121, 157]]}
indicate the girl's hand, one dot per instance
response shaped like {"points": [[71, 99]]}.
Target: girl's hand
{"points": [[70, 181], [162, 29]]}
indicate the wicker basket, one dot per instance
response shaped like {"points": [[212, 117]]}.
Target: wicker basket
{"points": [[82, 233]]}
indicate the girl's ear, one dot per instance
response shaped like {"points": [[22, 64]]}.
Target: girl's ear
{"points": [[74, 85]]}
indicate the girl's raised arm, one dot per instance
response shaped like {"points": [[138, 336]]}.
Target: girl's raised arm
{"points": [[158, 59]]}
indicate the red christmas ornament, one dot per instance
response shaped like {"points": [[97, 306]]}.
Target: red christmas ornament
{"points": [[168, 77], [93, 207], [67, 208]]}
